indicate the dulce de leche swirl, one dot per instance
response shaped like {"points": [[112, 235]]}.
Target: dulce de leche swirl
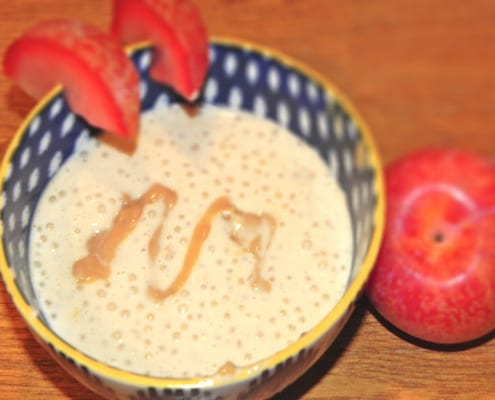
{"points": [[252, 232]]}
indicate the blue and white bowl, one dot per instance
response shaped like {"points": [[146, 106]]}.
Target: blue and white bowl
{"points": [[242, 76]]}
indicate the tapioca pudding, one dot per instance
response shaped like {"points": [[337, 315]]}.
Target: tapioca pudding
{"points": [[221, 240]]}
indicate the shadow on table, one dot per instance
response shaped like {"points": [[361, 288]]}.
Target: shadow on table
{"points": [[429, 345], [324, 365], [19, 102]]}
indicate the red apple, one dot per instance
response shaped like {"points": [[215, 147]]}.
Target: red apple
{"points": [[99, 80], [179, 37], [435, 275]]}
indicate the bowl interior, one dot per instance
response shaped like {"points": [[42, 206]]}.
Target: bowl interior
{"points": [[240, 77]]}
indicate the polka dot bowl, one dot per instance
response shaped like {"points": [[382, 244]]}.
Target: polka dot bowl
{"points": [[241, 76]]}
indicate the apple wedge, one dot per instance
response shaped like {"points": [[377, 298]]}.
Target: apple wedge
{"points": [[100, 82], [177, 32]]}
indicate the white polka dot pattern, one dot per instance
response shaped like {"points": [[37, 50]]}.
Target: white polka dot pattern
{"points": [[33, 128], [34, 178], [211, 90], [144, 61], [143, 89], [283, 114], [55, 108], [68, 124], [273, 79], [26, 154], [230, 64], [259, 106], [294, 85], [44, 143], [252, 72], [235, 98]]}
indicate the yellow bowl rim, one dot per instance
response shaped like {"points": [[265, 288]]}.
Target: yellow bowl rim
{"points": [[242, 373]]}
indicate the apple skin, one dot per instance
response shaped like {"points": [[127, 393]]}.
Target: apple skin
{"points": [[434, 278]]}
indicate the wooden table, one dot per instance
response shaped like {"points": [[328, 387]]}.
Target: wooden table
{"points": [[421, 72]]}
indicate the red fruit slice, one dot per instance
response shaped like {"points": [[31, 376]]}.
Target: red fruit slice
{"points": [[435, 274], [180, 40], [99, 80]]}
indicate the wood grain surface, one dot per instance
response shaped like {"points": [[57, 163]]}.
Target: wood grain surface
{"points": [[421, 73]]}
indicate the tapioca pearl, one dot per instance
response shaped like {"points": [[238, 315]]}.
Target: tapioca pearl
{"points": [[44, 142], [34, 127], [273, 79], [117, 336], [147, 330], [307, 244], [176, 336]]}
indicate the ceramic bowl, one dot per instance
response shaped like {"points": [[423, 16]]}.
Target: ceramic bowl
{"points": [[242, 76]]}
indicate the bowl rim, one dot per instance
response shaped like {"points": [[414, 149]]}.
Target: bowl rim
{"points": [[338, 312]]}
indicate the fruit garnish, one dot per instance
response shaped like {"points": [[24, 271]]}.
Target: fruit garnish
{"points": [[178, 35], [435, 275], [99, 81]]}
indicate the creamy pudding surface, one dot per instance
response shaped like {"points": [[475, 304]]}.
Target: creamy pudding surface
{"points": [[220, 241]]}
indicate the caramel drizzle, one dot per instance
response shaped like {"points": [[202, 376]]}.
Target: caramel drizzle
{"points": [[252, 232], [247, 232], [103, 246]]}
